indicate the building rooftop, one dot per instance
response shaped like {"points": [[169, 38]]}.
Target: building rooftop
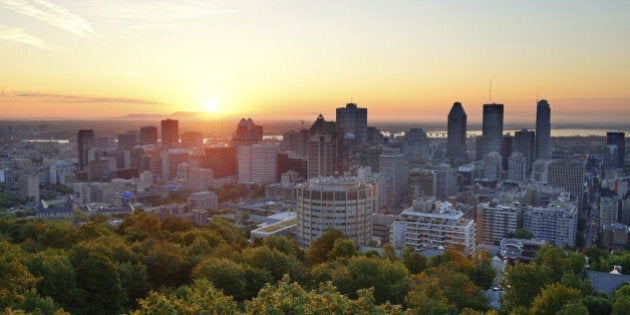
{"points": [[607, 282]]}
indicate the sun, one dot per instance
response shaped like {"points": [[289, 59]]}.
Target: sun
{"points": [[211, 106]]}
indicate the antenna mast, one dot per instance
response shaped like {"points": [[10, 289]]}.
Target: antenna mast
{"points": [[490, 92]]}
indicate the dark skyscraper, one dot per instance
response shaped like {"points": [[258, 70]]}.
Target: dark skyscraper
{"points": [[170, 133], [543, 130], [456, 141], [492, 128], [618, 139], [507, 147], [148, 135], [353, 119], [85, 141], [247, 133], [127, 140], [327, 152], [525, 143]]}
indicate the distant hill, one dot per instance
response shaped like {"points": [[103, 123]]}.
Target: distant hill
{"points": [[175, 115]]}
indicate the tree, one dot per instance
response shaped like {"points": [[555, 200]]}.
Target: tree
{"points": [[553, 298], [414, 261], [165, 263], [224, 275], [483, 274], [621, 300], [571, 280], [275, 262], [97, 276], [321, 246], [389, 252], [291, 298], [342, 247], [57, 278], [284, 244], [199, 298], [176, 224], [523, 283], [134, 280], [573, 309], [390, 279], [523, 234], [15, 281], [463, 293], [600, 305], [559, 260]]}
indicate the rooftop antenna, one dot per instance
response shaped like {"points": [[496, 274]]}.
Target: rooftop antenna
{"points": [[537, 93], [490, 92]]}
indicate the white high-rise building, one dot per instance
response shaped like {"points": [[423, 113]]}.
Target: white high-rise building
{"points": [[517, 167], [257, 163], [540, 171], [346, 204], [568, 174], [432, 224], [608, 207], [556, 224], [445, 180], [496, 221], [492, 166]]}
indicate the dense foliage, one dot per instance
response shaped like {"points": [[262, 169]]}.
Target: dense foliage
{"points": [[149, 266]]}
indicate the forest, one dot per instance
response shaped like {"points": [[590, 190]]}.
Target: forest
{"points": [[145, 265]]}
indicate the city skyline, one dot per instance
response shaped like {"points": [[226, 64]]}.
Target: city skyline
{"points": [[406, 62]]}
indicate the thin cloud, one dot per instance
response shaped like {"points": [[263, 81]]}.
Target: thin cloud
{"points": [[60, 98], [18, 35], [165, 10], [48, 12]]}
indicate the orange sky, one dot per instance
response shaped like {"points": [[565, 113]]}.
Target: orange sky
{"points": [[407, 60]]}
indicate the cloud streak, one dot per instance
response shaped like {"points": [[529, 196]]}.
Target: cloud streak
{"points": [[157, 12], [18, 35], [61, 98], [53, 14]]}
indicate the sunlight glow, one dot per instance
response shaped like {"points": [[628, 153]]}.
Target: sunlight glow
{"points": [[211, 106]]}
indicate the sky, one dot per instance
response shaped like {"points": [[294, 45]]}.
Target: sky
{"points": [[293, 59]]}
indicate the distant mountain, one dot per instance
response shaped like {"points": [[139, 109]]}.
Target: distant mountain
{"points": [[175, 115], [138, 117]]}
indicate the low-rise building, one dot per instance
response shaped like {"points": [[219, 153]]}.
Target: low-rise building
{"points": [[429, 223], [556, 224]]}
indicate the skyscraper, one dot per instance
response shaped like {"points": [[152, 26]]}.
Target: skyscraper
{"points": [[327, 150], [456, 141], [525, 142], [353, 119], [257, 163], [346, 204], [148, 135], [568, 174], [492, 128], [517, 167], [85, 140], [170, 133], [392, 167], [507, 147], [247, 133], [415, 145], [618, 139], [543, 130]]}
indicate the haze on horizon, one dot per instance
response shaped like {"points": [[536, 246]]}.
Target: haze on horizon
{"points": [[282, 59]]}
